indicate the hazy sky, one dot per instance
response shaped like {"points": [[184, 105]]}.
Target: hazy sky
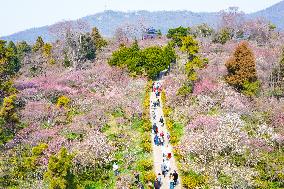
{"points": [[18, 15]]}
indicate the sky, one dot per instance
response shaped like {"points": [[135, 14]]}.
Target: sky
{"points": [[18, 15]]}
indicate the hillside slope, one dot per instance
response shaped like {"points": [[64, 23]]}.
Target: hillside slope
{"points": [[108, 21]]}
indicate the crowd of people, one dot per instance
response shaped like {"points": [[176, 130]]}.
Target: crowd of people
{"points": [[160, 139]]}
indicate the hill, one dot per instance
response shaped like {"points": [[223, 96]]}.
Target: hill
{"points": [[108, 21]]}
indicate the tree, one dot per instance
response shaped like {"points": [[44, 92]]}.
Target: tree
{"points": [[150, 61], [277, 78], [9, 66], [98, 40], [8, 110], [23, 48], [87, 49], [241, 68], [39, 44], [176, 34], [232, 19], [222, 36], [202, 30], [8, 118], [58, 174]]}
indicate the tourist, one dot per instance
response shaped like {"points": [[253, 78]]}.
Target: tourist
{"points": [[115, 168], [155, 128], [168, 136], [168, 167], [157, 184], [161, 120], [161, 141], [175, 175], [157, 94], [156, 140], [172, 185], [164, 168], [160, 179], [168, 152]]}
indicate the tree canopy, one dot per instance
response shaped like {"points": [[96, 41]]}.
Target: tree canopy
{"points": [[149, 61]]}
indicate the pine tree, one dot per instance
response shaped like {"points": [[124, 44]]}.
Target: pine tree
{"points": [[87, 50], [98, 40], [39, 44], [23, 48], [242, 69]]}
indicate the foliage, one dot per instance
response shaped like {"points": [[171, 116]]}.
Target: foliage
{"points": [[9, 62], [149, 176], [23, 48], [195, 62], [150, 61], [202, 30], [47, 48], [242, 70], [277, 77], [8, 110], [38, 45], [24, 167], [176, 34], [192, 180], [66, 61], [251, 88], [185, 89], [59, 173], [222, 36], [63, 101], [87, 50], [98, 39], [270, 169]]}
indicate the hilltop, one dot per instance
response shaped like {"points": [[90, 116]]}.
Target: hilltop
{"points": [[108, 21]]}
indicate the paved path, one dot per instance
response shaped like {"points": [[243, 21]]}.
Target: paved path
{"points": [[157, 150]]}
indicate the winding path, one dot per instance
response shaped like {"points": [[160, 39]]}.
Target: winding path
{"points": [[157, 150]]}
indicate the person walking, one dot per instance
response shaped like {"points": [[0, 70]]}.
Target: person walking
{"points": [[157, 184], [161, 141], [156, 140], [164, 168], [172, 185], [155, 128], [168, 137], [167, 163], [175, 177], [161, 120], [160, 179], [115, 168]]}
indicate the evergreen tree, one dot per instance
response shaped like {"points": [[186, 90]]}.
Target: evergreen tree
{"points": [[14, 62], [39, 44], [242, 70], [58, 174], [9, 65], [176, 34], [98, 40], [23, 48], [87, 50], [11, 45]]}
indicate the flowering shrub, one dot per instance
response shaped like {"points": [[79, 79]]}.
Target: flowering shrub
{"points": [[204, 86]]}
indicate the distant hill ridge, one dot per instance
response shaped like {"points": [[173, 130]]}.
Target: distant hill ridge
{"points": [[108, 21]]}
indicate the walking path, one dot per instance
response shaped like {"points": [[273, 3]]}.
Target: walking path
{"points": [[155, 114]]}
